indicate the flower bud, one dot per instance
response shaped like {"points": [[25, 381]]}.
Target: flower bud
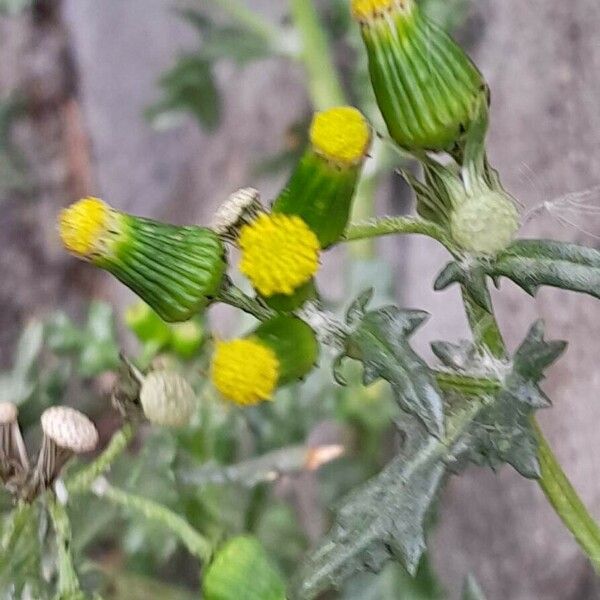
{"points": [[280, 256], [176, 270], [147, 325], [66, 432], [240, 570], [187, 338], [167, 399], [322, 186], [248, 371], [240, 208], [425, 84]]}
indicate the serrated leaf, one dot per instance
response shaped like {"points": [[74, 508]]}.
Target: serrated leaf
{"points": [[472, 278], [379, 340], [381, 520]]}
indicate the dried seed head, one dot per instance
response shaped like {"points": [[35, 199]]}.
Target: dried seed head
{"points": [[8, 413], [69, 429], [167, 399], [13, 454], [240, 208]]}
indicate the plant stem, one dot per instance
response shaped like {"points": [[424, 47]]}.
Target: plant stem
{"points": [[387, 225], [83, 480], [232, 295], [323, 81], [17, 519], [194, 542], [553, 481], [469, 386], [565, 501], [68, 583], [250, 20]]}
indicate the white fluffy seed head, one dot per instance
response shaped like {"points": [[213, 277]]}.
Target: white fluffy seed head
{"points": [[69, 429], [167, 399], [240, 207], [485, 223], [8, 413]]}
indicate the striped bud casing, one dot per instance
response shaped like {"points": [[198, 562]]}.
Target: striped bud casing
{"points": [[424, 83], [176, 270], [322, 186], [247, 371]]}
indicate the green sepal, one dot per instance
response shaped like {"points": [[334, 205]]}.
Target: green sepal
{"points": [[321, 194], [380, 340], [425, 85], [530, 264], [175, 270], [286, 303], [242, 569], [294, 343]]}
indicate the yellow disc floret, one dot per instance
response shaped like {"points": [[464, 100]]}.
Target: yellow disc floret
{"points": [[342, 135], [363, 10], [83, 225], [279, 253], [245, 371]]}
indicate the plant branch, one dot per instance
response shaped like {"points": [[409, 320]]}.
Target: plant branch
{"points": [[232, 295], [566, 503], [68, 583], [466, 385], [83, 480], [553, 481], [197, 545], [323, 80], [391, 225]]}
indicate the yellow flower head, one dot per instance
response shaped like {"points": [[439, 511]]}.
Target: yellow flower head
{"points": [[363, 10], [342, 135], [245, 371], [83, 226], [279, 253]]}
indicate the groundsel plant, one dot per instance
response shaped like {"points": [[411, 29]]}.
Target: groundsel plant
{"points": [[476, 405]]}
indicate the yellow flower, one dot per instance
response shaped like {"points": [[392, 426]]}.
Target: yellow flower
{"points": [[279, 253], [83, 226], [245, 371], [368, 9], [342, 135]]}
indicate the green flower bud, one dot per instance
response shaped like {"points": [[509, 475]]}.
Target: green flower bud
{"points": [[241, 570], [424, 83], [176, 270], [167, 399], [322, 186], [187, 338], [147, 325]]}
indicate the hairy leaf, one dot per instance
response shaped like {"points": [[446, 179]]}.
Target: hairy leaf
{"points": [[530, 264], [380, 340]]}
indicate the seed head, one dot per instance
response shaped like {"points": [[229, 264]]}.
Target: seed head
{"points": [[167, 399], [241, 207], [69, 429]]}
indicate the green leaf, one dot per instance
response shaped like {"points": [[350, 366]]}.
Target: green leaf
{"points": [[238, 44], [380, 340], [28, 348], [530, 264], [189, 87], [379, 521], [242, 569], [471, 590], [533, 263]]}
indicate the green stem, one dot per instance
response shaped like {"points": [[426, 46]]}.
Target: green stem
{"points": [[13, 527], [466, 385], [251, 21], [232, 295], [389, 225], [82, 481], [566, 503], [194, 542], [323, 81], [68, 583], [553, 481]]}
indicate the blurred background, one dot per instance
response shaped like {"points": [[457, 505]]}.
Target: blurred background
{"points": [[164, 108]]}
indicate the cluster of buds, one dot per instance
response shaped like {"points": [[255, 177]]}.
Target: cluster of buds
{"points": [[66, 432]]}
